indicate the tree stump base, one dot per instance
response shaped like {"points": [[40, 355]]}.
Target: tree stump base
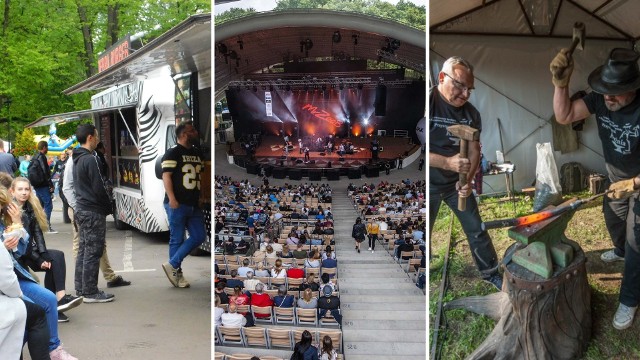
{"points": [[536, 318]]}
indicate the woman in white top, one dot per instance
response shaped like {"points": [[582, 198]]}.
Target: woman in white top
{"points": [[278, 271], [326, 350], [218, 311], [313, 261]]}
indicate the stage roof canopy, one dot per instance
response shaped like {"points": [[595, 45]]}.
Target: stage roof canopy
{"points": [[259, 41]]}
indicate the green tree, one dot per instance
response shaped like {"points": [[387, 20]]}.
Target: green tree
{"points": [[233, 13], [24, 143], [48, 46]]}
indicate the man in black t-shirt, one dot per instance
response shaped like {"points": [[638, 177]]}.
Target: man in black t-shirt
{"points": [[448, 105], [616, 106], [181, 168]]}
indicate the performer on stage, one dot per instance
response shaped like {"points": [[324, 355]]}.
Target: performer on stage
{"points": [[306, 154], [300, 145]]}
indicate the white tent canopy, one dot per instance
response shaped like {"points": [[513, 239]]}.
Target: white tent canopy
{"points": [[510, 43]]}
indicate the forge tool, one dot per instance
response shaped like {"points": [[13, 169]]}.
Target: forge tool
{"points": [[539, 216], [540, 240], [465, 133]]}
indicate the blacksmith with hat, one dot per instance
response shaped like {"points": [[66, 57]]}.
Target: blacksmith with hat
{"points": [[616, 105]]}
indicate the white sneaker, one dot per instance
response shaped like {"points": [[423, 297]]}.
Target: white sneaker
{"points": [[610, 256], [369, 249], [624, 317], [372, 251], [60, 354]]}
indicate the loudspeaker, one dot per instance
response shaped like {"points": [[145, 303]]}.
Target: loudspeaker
{"points": [[333, 174], [279, 173], [240, 161], [354, 173], [295, 174], [380, 102], [373, 171], [253, 168], [315, 175], [268, 170]]}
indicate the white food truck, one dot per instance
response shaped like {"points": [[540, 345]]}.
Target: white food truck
{"points": [[147, 93]]}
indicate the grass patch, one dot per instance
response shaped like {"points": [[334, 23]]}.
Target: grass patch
{"points": [[466, 331]]}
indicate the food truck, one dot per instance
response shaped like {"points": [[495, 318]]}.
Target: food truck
{"points": [[145, 94]]}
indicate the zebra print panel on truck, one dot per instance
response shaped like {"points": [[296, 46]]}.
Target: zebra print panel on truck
{"points": [[134, 212]]}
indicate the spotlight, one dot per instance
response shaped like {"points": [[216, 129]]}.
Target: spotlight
{"points": [[324, 87], [270, 87], [308, 44], [355, 39], [301, 46], [360, 86], [336, 36], [255, 88], [222, 48], [341, 86], [306, 87], [288, 87], [264, 87], [241, 44]]}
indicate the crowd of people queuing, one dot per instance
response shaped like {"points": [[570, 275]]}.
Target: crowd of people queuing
{"points": [[31, 311]]}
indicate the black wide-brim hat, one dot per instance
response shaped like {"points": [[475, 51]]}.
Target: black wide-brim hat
{"points": [[619, 75]]}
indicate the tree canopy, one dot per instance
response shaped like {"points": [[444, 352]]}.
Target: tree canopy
{"points": [[48, 46]]}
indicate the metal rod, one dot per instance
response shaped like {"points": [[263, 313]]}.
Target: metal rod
{"points": [[443, 285]]}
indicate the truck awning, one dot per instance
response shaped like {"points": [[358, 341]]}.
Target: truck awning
{"points": [[74, 116], [184, 48]]}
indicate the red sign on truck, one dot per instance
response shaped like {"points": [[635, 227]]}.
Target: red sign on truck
{"points": [[114, 54]]}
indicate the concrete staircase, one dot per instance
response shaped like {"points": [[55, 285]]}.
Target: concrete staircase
{"points": [[383, 311]]}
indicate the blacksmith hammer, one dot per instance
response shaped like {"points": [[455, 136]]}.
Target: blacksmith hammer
{"points": [[576, 43], [465, 133]]}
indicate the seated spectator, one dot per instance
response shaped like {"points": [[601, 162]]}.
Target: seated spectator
{"points": [[328, 253], [239, 298], [308, 301], [303, 349], [292, 240], [327, 352], [244, 269], [313, 261], [326, 281], [300, 252], [329, 302], [242, 246], [13, 309], [282, 299], [217, 312], [229, 246], [261, 271], [310, 283], [286, 253], [232, 318], [270, 253], [278, 271], [406, 246], [219, 292], [329, 262], [234, 281], [261, 299], [295, 272], [251, 282], [317, 230]]}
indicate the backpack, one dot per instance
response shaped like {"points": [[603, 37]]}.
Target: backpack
{"points": [[35, 173], [573, 177]]}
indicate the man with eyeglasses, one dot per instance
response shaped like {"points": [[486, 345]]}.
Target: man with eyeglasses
{"points": [[616, 105], [448, 105]]}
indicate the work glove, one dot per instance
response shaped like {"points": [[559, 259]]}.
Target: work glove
{"points": [[622, 189], [561, 68]]}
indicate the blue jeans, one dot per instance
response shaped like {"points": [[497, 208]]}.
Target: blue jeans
{"points": [[184, 217], [47, 300], [630, 288], [482, 250], [44, 196]]}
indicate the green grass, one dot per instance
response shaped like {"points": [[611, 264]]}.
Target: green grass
{"points": [[465, 331]]}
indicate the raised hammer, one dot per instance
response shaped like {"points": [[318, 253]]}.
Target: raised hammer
{"points": [[465, 133], [577, 42]]}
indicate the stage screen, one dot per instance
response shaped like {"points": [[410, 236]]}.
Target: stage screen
{"points": [[315, 113]]}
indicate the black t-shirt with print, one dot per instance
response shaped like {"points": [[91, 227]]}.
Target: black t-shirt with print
{"points": [[619, 132], [185, 166], [441, 142]]}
